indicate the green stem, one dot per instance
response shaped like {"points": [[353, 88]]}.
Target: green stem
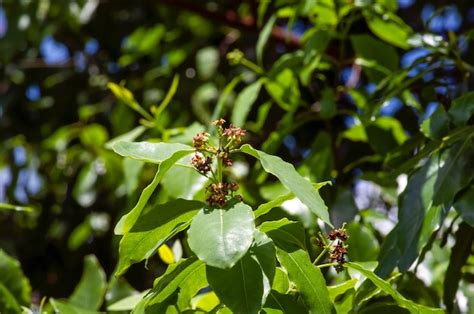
{"points": [[327, 265], [252, 66], [324, 251], [219, 169]]}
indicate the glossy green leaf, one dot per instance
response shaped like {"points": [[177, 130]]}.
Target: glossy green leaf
{"points": [[337, 290], [464, 205], [15, 288], [251, 278], [263, 38], [284, 231], [176, 277], [307, 278], [385, 134], [244, 102], [389, 27], [190, 286], [281, 283], [153, 228], [222, 236], [293, 181], [90, 291], [167, 158], [462, 109], [387, 288]]}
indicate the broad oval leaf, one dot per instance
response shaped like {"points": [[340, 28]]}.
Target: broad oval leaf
{"points": [[14, 286], [153, 229], [251, 277], [289, 177], [222, 236]]}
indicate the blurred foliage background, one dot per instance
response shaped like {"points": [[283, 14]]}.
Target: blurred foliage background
{"points": [[356, 92]]}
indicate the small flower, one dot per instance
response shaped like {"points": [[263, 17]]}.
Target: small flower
{"points": [[340, 234], [234, 133], [219, 122], [200, 140]]}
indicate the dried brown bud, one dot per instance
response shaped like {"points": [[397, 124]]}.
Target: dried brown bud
{"points": [[340, 234], [201, 163]]}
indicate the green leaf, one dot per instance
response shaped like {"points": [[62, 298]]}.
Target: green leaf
{"points": [[90, 291], [288, 176], [177, 276], [167, 158], [307, 278], [362, 243], [389, 27], [8, 303], [17, 208], [285, 231], [126, 137], [127, 303], [335, 291], [251, 278], [151, 152], [411, 234], [387, 288], [279, 303], [283, 88], [190, 286], [221, 236], [94, 135], [462, 109], [65, 308], [371, 49], [459, 255], [207, 61], [263, 38], [14, 284], [244, 102], [281, 282], [436, 126], [385, 134], [456, 172], [126, 96], [267, 207], [464, 205], [153, 228]]}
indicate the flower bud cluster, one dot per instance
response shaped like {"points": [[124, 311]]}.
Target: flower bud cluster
{"points": [[218, 193], [337, 247]]}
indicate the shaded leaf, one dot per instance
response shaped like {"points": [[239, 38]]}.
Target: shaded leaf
{"points": [[387, 288], [464, 205], [251, 278]]}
